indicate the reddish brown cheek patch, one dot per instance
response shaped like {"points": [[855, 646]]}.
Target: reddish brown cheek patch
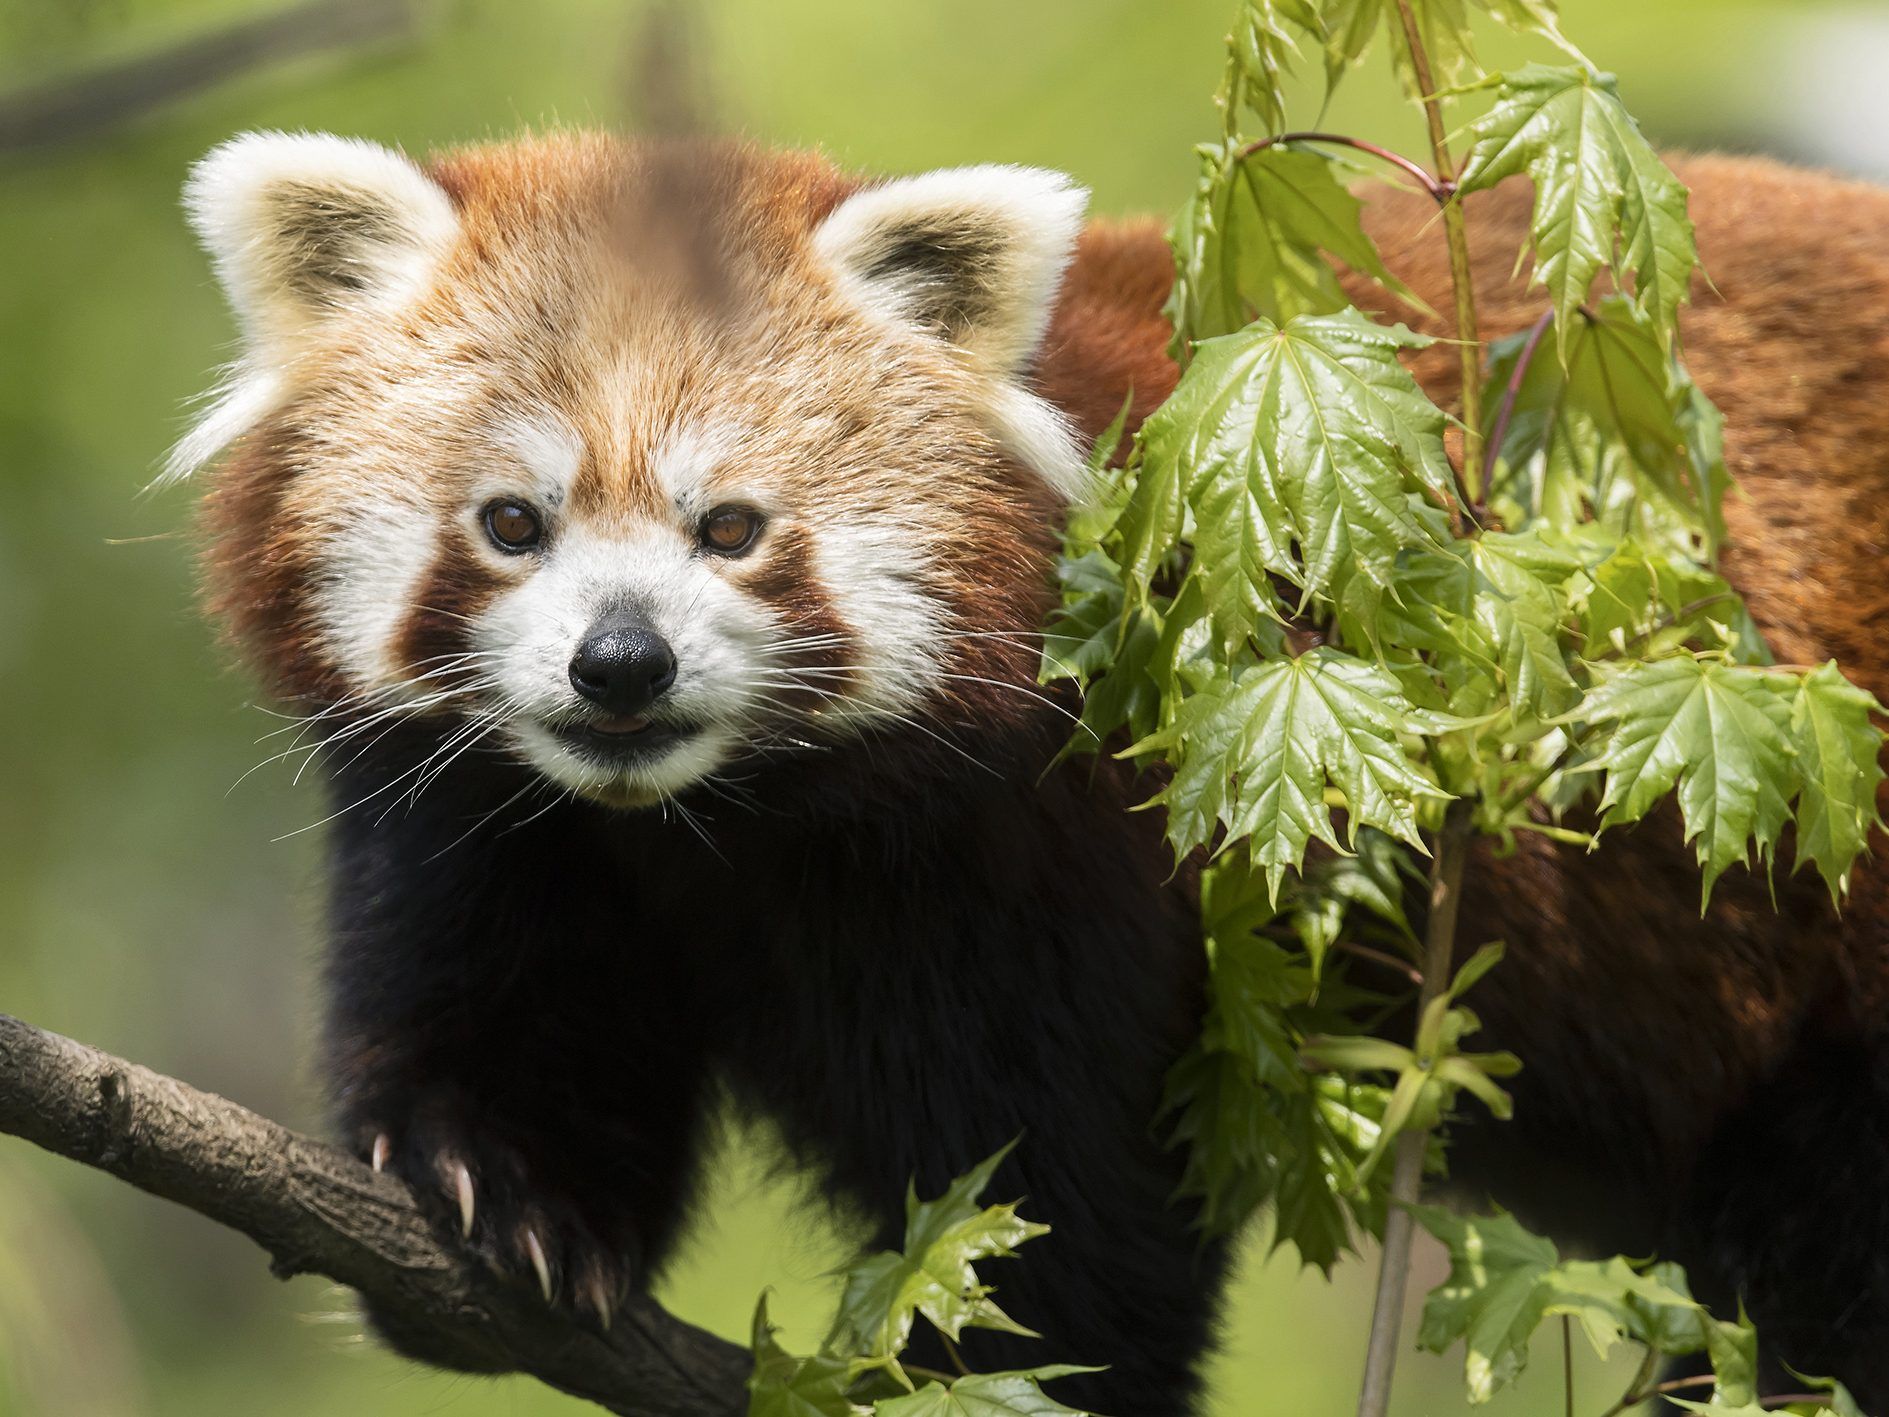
{"points": [[816, 642], [257, 567], [456, 590]]}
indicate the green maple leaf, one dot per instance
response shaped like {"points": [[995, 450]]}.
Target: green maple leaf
{"points": [[783, 1385], [1720, 733], [1500, 604], [1297, 1145], [1444, 29], [1112, 649], [1332, 889], [1442, 25], [1598, 184], [1255, 754], [1615, 430], [1492, 1300], [1264, 42], [1536, 17], [1637, 599], [933, 1275], [1254, 982], [1839, 750], [1742, 743], [1014, 1394], [1318, 1201], [1258, 238], [1296, 447], [1153, 518], [1223, 1116], [1080, 640], [1504, 1281]]}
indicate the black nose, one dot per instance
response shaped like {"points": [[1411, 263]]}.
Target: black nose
{"points": [[622, 664]]}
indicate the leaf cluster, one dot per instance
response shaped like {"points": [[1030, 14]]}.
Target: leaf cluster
{"points": [[1285, 602], [1317, 631], [1258, 1125], [1504, 1282], [858, 1370]]}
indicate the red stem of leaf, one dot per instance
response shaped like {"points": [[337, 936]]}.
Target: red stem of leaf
{"points": [[1439, 188], [1509, 394]]}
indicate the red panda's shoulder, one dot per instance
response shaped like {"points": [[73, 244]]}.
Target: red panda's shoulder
{"points": [[1108, 337]]}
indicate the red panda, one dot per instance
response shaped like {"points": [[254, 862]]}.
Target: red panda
{"points": [[656, 538]]}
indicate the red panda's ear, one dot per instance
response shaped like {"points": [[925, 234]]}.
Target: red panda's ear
{"points": [[971, 254], [302, 225]]}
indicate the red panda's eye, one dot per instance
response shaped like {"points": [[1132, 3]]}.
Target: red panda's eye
{"points": [[730, 530], [513, 526]]}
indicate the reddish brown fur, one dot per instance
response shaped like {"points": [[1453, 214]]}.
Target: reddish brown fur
{"points": [[1643, 1026], [535, 216], [1644, 1030]]}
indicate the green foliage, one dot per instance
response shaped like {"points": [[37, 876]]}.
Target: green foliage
{"points": [[1258, 238], [1257, 1124], [1741, 744], [1285, 601], [1504, 1281], [1267, 36], [1431, 1074], [1616, 433], [1598, 185], [858, 1370], [1295, 448], [1255, 755], [984, 1395], [932, 1275]]}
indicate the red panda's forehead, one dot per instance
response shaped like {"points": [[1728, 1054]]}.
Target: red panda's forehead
{"points": [[712, 219], [651, 308]]}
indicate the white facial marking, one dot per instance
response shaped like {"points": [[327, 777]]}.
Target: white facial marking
{"points": [[688, 458], [717, 634], [877, 583], [548, 451], [370, 576]]}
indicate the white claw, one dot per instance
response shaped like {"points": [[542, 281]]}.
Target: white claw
{"points": [[462, 1183], [538, 1262], [599, 1300], [383, 1148]]}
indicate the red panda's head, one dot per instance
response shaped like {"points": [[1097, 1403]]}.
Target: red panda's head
{"points": [[640, 461]]}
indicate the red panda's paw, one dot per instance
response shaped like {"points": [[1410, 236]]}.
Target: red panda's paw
{"points": [[483, 1194]]}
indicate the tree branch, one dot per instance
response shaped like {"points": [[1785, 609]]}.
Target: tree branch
{"points": [[317, 1210], [1393, 1275], [78, 105]]}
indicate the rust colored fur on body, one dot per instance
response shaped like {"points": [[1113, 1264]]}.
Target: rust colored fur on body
{"points": [[899, 936], [1712, 1090]]}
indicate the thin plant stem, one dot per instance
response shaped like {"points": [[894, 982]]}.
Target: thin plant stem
{"points": [[1469, 343], [1567, 1363], [1393, 1275], [1642, 1391], [1438, 188], [1510, 393], [1388, 961], [1636, 1392], [957, 1358], [932, 1374]]}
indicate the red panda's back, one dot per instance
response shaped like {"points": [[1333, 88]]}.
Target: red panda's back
{"points": [[1643, 1026]]}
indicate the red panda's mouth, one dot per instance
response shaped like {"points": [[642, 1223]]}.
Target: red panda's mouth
{"points": [[622, 737], [620, 725]]}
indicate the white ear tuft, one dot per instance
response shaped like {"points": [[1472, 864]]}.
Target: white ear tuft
{"points": [[972, 254], [301, 225]]}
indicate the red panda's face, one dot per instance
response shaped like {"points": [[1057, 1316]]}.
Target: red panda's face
{"points": [[637, 465]]}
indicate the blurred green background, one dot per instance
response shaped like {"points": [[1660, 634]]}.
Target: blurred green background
{"points": [[154, 905]]}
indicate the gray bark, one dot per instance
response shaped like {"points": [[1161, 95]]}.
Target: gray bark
{"points": [[317, 1210]]}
